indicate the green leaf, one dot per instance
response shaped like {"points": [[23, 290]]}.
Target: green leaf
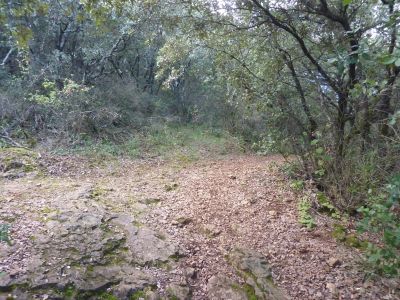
{"points": [[388, 59], [346, 2], [332, 60], [397, 62]]}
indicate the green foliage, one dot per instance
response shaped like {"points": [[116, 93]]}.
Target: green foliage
{"points": [[106, 296], [352, 240], [250, 292], [49, 95], [292, 169], [341, 234], [305, 218], [381, 217], [297, 185], [139, 294], [265, 146], [183, 143], [319, 156], [326, 206], [4, 233]]}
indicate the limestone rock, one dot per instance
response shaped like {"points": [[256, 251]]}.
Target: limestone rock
{"points": [[254, 268], [179, 291], [92, 252], [182, 221], [332, 288], [148, 248], [190, 273], [5, 282], [333, 262], [17, 162], [221, 287]]}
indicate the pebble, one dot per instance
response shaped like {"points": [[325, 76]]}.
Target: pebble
{"points": [[333, 262]]}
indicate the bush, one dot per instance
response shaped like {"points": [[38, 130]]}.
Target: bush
{"points": [[382, 217], [362, 171]]}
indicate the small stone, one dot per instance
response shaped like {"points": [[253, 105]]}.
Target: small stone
{"points": [[13, 272], [331, 287], [272, 213], [333, 262], [181, 221], [253, 200], [190, 273], [149, 201], [211, 230]]}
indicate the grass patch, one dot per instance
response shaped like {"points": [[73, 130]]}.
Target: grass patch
{"points": [[138, 295], [182, 143]]}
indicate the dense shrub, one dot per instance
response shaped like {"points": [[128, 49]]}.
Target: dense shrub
{"points": [[382, 217]]}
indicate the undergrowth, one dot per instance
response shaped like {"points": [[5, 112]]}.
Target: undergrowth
{"points": [[379, 217], [382, 217], [305, 218], [179, 142]]}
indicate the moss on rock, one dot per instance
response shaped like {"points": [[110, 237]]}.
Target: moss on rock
{"points": [[16, 161]]}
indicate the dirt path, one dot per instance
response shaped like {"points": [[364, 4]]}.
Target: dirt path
{"points": [[207, 209]]}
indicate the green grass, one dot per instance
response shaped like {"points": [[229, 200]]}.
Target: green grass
{"points": [[171, 142]]}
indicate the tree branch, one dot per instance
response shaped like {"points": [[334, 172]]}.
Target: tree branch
{"points": [[289, 29]]}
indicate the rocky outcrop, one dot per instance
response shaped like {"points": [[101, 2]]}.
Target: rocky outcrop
{"points": [[86, 254]]}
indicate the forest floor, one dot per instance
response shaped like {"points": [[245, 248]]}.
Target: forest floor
{"points": [[190, 217]]}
